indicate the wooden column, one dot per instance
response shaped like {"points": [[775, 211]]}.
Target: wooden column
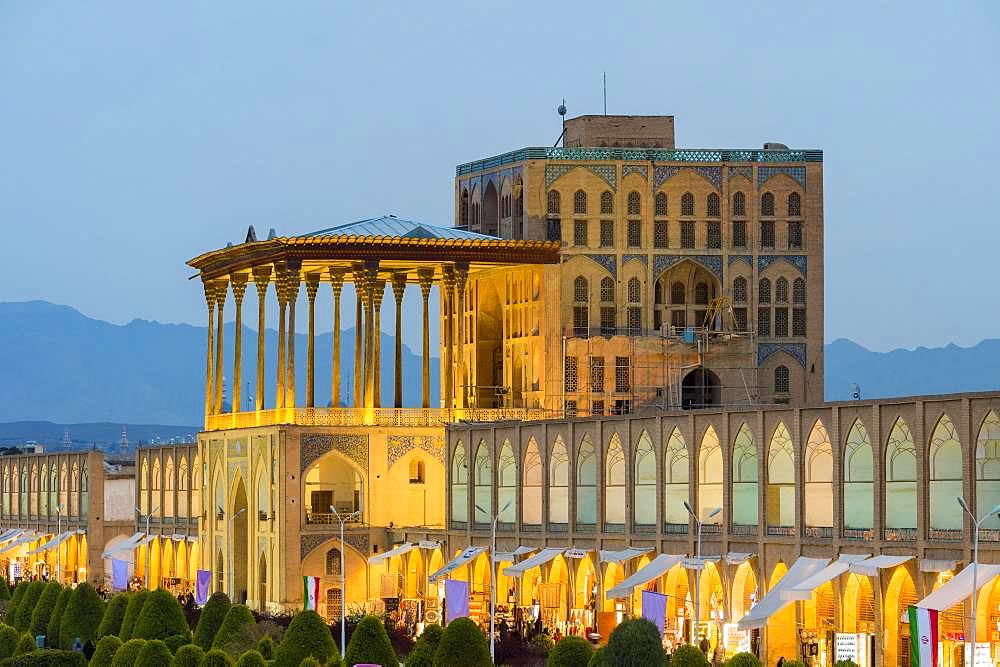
{"points": [[461, 278], [292, 286], [279, 288], [371, 274], [210, 357], [426, 277], [378, 294], [220, 303], [359, 297], [398, 291], [261, 278], [239, 281], [448, 372], [312, 287], [337, 282]]}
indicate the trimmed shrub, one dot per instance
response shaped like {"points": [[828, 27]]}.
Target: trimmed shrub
{"points": [[794, 663], [570, 652], [161, 617], [8, 641], [105, 653], [688, 655], [312, 662], [24, 610], [422, 654], [155, 653], [111, 624], [15, 600], [251, 659], [306, 636], [43, 609], [211, 620], [266, 647], [743, 659], [175, 642], [4, 590], [25, 644], [237, 634], [48, 658], [127, 655], [82, 617], [189, 655], [462, 645], [216, 658], [845, 663], [132, 611], [597, 660], [370, 644], [55, 621], [635, 642]]}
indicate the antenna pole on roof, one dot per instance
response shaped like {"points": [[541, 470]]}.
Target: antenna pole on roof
{"points": [[561, 110], [605, 93]]}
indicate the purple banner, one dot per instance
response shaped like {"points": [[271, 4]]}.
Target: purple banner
{"points": [[654, 608], [456, 598], [202, 585], [119, 574]]}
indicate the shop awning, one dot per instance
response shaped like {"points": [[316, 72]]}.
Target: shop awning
{"points": [[178, 537], [871, 566], [397, 550], [457, 562], [772, 603], [10, 534], [653, 569], [804, 589], [737, 557], [543, 556], [130, 543], [192, 538], [625, 554], [508, 556], [29, 536], [576, 553], [52, 544], [959, 588], [428, 544], [929, 565]]}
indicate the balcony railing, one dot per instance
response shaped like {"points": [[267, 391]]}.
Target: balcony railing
{"points": [[743, 530], [614, 528], [367, 417], [328, 518], [458, 525], [781, 531], [859, 534], [586, 527], [948, 534], [822, 532], [675, 528], [711, 529], [558, 527], [899, 534], [645, 527]]}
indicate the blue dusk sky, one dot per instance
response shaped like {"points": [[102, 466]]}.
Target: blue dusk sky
{"points": [[134, 136]]}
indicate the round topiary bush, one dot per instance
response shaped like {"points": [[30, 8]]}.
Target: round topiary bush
{"points": [[635, 642], [25, 644], [794, 663], [161, 617], [48, 658], [462, 645], [4, 590], [24, 610], [106, 649], [597, 659], [128, 654], [189, 655], [175, 642], [306, 636], [422, 654], [55, 621], [688, 655], [211, 620], [743, 659], [132, 611], [111, 624], [845, 663], [10, 614], [251, 659], [237, 634], [570, 652], [82, 617], [8, 641], [216, 658], [370, 645], [155, 653], [266, 647], [43, 610]]}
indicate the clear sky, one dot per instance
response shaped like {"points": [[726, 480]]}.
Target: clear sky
{"points": [[134, 136]]}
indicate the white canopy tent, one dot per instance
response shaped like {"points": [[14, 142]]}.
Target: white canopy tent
{"points": [[54, 542], [130, 543], [627, 553], [457, 562], [29, 536], [959, 588], [871, 566], [10, 534], [397, 550], [772, 603], [543, 556], [509, 556], [804, 589], [655, 568]]}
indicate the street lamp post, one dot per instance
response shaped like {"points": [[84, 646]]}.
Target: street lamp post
{"points": [[493, 583], [353, 516], [976, 523], [59, 509], [148, 517], [697, 576]]}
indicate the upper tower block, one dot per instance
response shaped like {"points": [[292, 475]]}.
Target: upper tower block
{"points": [[620, 131]]}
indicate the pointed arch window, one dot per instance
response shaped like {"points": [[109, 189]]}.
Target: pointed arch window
{"points": [[580, 202], [687, 204], [818, 486], [634, 203], [740, 290], [781, 379], [988, 468], [553, 203], [607, 290], [645, 482], [675, 479], [781, 291], [531, 491], [677, 294], [483, 484], [506, 484], [417, 471], [739, 205], [559, 484], [607, 203], [709, 476], [780, 501], [945, 476], [764, 290], [634, 290], [701, 293], [463, 216], [43, 491], [794, 205], [586, 484], [799, 291], [183, 487], [333, 562], [459, 485], [712, 204], [900, 478], [580, 290], [660, 208], [859, 497], [744, 478], [614, 486], [767, 204], [168, 488]]}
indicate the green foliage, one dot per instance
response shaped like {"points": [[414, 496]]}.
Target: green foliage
{"points": [[571, 652], [174, 642], [635, 642], [743, 659], [161, 617], [24, 610], [154, 653], [8, 641], [310, 662], [111, 624], [25, 644], [127, 655], [597, 659], [211, 620], [794, 663], [105, 653], [189, 655], [845, 663], [48, 658], [82, 617], [251, 659], [43, 610], [370, 645], [4, 590], [307, 635], [15, 602], [422, 654], [215, 658], [55, 620], [132, 611], [266, 647], [688, 655], [462, 645], [237, 634]]}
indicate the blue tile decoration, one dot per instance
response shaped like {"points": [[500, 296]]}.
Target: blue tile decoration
{"points": [[797, 350], [741, 258], [741, 171], [663, 262], [488, 178], [635, 169], [798, 173], [606, 171], [664, 173], [798, 261], [606, 262], [554, 172], [628, 258]]}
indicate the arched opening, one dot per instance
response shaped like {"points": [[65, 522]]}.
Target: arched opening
{"points": [[483, 483], [220, 572], [900, 482], [987, 468], [691, 288], [819, 481], [675, 482], [262, 582], [780, 501], [945, 477], [531, 512], [782, 633], [490, 219], [614, 483], [559, 484], [332, 482], [586, 485], [585, 594], [700, 389], [859, 493], [709, 476], [744, 593], [744, 480], [241, 556], [645, 482], [900, 594], [507, 484], [459, 485]]}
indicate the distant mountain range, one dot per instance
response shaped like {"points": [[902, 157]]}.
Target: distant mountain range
{"points": [[58, 365]]}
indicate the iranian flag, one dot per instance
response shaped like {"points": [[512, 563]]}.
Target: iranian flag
{"points": [[311, 593], [923, 637]]}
